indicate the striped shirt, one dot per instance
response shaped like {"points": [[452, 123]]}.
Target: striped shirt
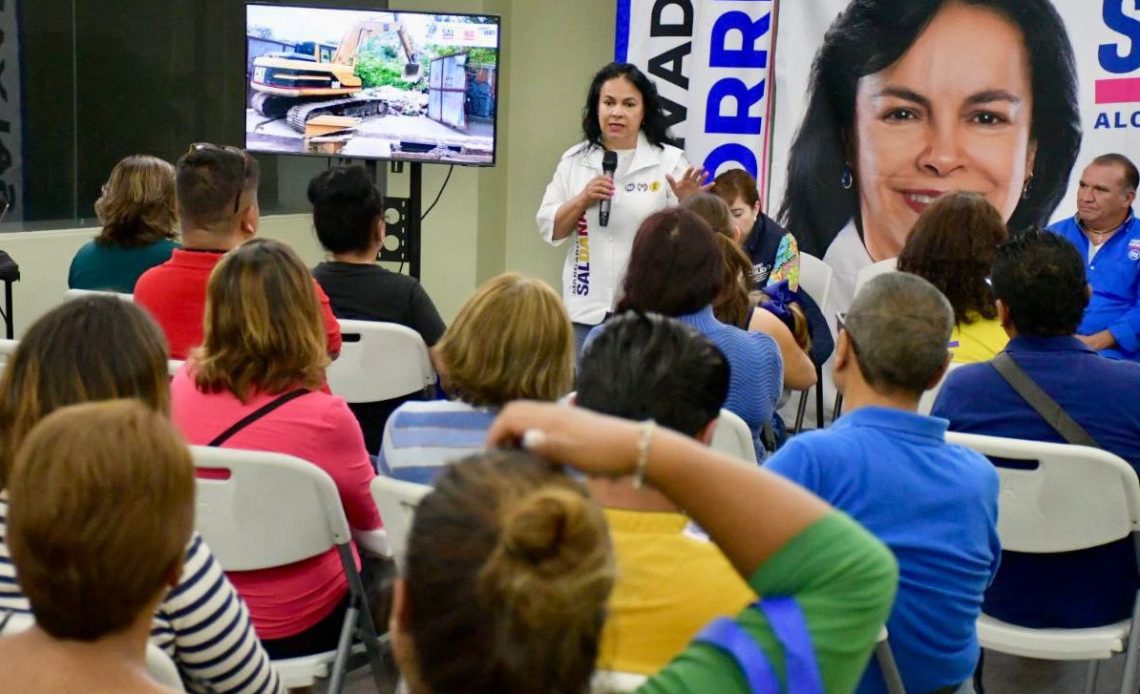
{"points": [[422, 437], [202, 624]]}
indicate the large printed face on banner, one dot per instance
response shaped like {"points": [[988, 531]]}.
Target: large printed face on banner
{"points": [[943, 119]]}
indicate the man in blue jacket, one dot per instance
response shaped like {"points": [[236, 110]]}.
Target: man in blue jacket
{"points": [[1105, 232]]}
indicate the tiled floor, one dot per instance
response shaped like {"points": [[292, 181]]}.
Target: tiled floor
{"points": [[1004, 675]]}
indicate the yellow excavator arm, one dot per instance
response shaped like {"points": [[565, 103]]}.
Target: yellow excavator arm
{"points": [[348, 50]]}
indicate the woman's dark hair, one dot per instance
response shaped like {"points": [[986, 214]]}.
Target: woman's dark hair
{"points": [[675, 267], [509, 570], [952, 246], [1040, 277], [653, 118], [346, 204], [869, 36]]}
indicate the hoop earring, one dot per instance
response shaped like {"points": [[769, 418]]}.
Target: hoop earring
{"points": [[1028, 186], [847, 179]]}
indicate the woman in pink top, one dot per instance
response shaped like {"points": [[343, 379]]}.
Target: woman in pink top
{"points": [[264, 343]]}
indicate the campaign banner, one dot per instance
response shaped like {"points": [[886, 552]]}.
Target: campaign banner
{"points": [[11, 128], [1033, 184], [712, 63]]}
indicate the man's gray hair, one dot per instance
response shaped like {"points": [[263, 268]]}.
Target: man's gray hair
{"points": [[899, 326]]}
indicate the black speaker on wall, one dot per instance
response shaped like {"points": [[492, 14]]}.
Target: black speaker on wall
{"points": [[395, 248]]}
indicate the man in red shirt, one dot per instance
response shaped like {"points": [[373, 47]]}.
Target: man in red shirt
{"points": [[217, 205]]}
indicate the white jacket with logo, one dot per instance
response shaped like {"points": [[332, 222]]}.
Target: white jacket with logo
{"points": [[595, 265]]}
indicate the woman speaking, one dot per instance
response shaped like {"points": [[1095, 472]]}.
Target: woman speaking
{"points": [[622, 115]]}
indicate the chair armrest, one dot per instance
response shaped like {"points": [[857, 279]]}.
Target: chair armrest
{"points": [[374, 542]]}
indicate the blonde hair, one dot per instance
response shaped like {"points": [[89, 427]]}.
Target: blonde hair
{"points": [[137, 206], [262, 329], [93, 348], [102, 508], [509, 571], [731, 305], [714, 211], [511, 340]]}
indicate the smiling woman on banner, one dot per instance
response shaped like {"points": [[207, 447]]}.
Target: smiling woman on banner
{"points": [[622, 115], [910, 99]]}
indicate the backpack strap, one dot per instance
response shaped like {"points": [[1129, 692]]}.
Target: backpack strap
{"points": [[728, 636], [1053, 414], [790, 629], [256, 415]]}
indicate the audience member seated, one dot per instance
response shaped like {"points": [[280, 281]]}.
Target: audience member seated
{"points": [[217, 204], [100, 348], [79, 475], [138, 215], [348, 213], [676, 269], [509, 565], [1039, 279], [933, 504], [671, 581], [737, 303], [952, 246], [771, 249], [255, 384], [512, 340]]}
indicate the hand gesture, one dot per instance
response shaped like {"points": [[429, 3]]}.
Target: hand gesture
{"points": [[596, 444], [692, 181], [598, 188]]}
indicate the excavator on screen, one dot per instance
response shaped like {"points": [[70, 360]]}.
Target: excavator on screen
{"points": [[318, 79]]}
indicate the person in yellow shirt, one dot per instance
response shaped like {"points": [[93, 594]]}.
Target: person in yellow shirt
{"points": [[672, 581], [952, 246]]}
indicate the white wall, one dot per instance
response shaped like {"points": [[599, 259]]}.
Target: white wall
{"points": [[484, 223]]}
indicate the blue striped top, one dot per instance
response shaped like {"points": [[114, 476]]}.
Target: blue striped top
{"points": [[422, 437], [202, 624]]}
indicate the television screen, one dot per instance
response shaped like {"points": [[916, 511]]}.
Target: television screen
{"points": [[406, 86]]}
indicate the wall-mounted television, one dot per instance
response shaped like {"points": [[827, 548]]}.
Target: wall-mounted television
{"points": [[404, 86]]}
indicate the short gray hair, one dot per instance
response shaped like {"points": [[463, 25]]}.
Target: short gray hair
{"points": [[899, 326]]}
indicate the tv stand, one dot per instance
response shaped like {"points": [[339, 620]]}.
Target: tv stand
{"points": [[410, 209]]}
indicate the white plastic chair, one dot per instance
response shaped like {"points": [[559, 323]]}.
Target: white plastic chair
{"points": [[7, 349], [273, 510], [815, 279], [1077, 498], [380, 361], [172, 366], [72, 294], [397, 500], [926, 402], [733, 437], [874, 270], [885, 659], [613, 682], [158, 664]]}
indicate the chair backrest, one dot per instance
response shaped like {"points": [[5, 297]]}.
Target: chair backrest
{"points": [[258, 510], [71, 294], [158, 664], [926, 402], [815, 278], [1076, 497], [397, 500], [733, 437], [874, 270], [379, 361], [612, 682], [173, 365]]}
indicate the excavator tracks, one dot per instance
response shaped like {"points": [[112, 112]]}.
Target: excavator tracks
{"points": [[356, 106]]}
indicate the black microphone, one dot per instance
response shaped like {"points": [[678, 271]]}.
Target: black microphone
{"points": [[609, 166]]}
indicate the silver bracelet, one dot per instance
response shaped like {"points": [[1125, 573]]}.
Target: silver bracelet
{"points": [[647, 428]]}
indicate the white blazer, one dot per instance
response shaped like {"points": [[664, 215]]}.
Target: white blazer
{"points": [[595, 265]]}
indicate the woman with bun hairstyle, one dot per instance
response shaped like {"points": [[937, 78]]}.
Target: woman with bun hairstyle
{"points": [[256, 384], [738, 301], [953, 245], [63, 359], [348, 213], [623, 116], [676, 269], [509, 566], [512, 340], [138, 213]]}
